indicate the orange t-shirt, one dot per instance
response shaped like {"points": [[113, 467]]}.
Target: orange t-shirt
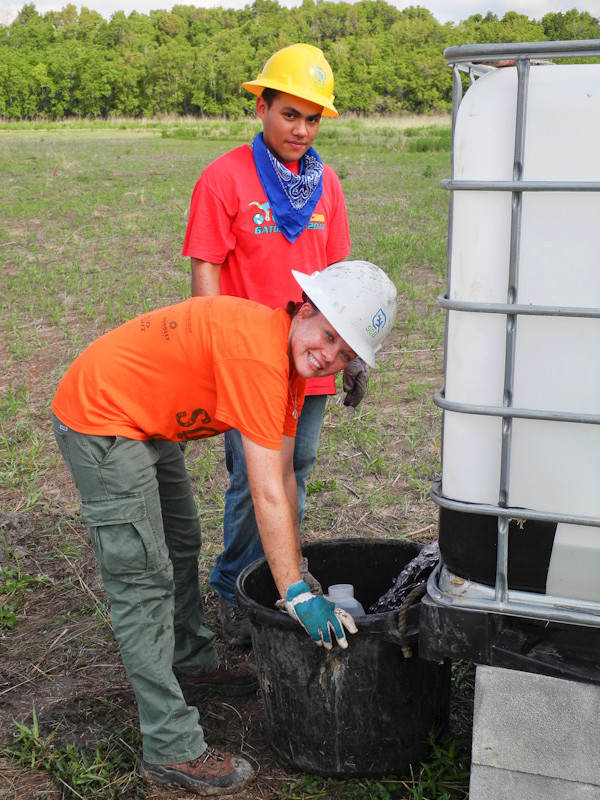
{"points": [[187, 371]]}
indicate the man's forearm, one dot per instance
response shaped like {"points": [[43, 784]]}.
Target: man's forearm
{"points": [[205, 278]]}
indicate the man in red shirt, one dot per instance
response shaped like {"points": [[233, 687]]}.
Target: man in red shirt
{"points": [[255, 212]]}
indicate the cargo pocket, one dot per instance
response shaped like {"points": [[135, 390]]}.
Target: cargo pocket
{"points": [[123, 537]]}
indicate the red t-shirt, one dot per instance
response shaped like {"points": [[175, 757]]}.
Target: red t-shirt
{"points": [[188, 371], [231, 224]]}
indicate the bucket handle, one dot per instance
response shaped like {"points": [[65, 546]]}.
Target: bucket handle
{"points": [[398, 634]]}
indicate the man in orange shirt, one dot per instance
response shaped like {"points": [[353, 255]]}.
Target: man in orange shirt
{"points": [[191, 371]]}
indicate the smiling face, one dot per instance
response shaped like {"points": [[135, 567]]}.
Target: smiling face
{"points": [[290, 125], [316, 349]]}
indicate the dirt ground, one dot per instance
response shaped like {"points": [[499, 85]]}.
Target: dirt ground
{"points": [[372, 478], [61, 658], [67, 667]]}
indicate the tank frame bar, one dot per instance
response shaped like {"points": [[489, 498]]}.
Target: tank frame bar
{"points": [[477, 60], [521, 186], [518, 604], [511, 412], [515, 308], [467, 54]]}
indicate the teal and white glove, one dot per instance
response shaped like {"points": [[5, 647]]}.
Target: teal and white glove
{"points": [[313, 584], [319, 617]]}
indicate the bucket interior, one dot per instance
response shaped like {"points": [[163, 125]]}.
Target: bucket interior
{"points": [[370, 565]]}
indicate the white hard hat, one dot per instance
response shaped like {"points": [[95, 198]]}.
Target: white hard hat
{"points": [[358, 299]]}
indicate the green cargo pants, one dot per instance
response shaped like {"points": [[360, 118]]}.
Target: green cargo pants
{"points": [[137, 501]]}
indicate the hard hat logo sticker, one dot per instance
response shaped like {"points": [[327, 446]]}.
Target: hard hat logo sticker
{"points": [[379, 319], [377, 323], [320, 75]]}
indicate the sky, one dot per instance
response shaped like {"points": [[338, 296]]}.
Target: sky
{"points": [[442, 10]]}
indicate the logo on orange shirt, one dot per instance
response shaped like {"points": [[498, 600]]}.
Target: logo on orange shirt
{"points": [[186, 419]]}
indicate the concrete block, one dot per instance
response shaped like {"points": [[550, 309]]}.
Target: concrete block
{"points": [[503, 784], [536, 725]]}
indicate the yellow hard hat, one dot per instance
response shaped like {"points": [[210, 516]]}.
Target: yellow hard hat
{"points": [[300, 70]]}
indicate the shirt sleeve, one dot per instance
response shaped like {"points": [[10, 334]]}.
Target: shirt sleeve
{"points": [[252, 396], [209, 235]]}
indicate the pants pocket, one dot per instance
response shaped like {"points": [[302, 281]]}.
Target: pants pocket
{"points": [[123, 537]]}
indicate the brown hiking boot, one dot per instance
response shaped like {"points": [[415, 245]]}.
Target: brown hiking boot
{"points": [[229, 682], [211, 773]]}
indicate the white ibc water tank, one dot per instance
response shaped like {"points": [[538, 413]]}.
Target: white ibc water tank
{"points": [[554, 465]]}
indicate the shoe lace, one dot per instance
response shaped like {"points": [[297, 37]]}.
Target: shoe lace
{"points": [[210, 754]]}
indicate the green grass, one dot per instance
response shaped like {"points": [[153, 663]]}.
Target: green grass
{"points": [[79, 771], [444, 776], [93, 215], [92, 218], [14, 584]]}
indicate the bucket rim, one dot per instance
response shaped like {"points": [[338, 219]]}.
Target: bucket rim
{"points": [[379, 622]]}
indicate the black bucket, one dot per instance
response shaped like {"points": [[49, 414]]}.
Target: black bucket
{"points": [[364, 711]]}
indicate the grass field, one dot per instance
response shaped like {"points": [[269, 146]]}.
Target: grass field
{"points": [[91, 227]]}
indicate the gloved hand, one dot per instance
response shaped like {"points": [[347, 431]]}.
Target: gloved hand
{"points": [[355, 377], [313, 584], [319, 617]]}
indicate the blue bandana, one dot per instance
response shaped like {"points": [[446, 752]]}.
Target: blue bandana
{"points": [[293, 198]]}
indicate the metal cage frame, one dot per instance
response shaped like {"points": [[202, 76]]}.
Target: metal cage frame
{"points": [[477, 60]]}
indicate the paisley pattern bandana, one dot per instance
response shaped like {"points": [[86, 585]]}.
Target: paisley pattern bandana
{"points": [[293, 198]]}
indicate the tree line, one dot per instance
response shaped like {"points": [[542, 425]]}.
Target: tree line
{"points": [[192, 60]]}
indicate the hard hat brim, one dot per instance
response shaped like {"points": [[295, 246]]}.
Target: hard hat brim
{"points": [[257, 86], [332, 315]]}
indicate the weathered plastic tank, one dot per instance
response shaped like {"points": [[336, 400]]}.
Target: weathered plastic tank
{"points": [[519, 493]]}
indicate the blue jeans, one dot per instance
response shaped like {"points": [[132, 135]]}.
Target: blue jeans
{"points": [[240, 532]]}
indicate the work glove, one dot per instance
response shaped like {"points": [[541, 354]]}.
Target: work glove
{"points": [[313, 584], [319, 617], [355, 377]]}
